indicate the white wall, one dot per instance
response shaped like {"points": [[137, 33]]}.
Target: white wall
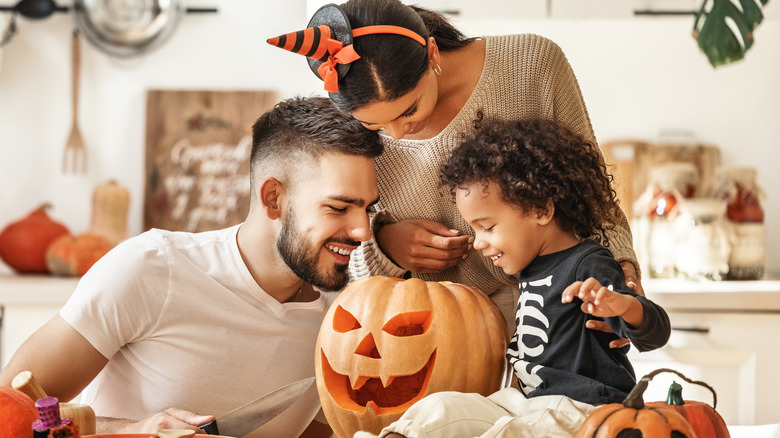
{"points": [[638, 76]]}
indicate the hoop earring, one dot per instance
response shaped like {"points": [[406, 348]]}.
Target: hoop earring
{"points": [[437, 69]]}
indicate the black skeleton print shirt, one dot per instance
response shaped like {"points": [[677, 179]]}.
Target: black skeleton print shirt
{"points": [[552, 352]]}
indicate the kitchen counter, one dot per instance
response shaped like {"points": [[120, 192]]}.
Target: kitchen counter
{"points": [[759, 296], [26, 303], [35, 290]]}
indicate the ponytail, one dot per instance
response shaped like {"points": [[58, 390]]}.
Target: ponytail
{"points": [[446, 35]]}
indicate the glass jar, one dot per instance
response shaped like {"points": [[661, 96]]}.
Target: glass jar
{"points": [[737, 187], [703, 240], [656, 210]]}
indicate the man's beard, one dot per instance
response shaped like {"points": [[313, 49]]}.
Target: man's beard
{"points": [[303, 260]]}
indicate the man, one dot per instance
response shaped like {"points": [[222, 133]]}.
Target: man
{"points": [[209, 321]]}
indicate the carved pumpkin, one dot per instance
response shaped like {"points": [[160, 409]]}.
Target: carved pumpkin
{"points": [[17, 413], [385, 343], [73, 255], [703, 418], [23, 243], [634, 419]]}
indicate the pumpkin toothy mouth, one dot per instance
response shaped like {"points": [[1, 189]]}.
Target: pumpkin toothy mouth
{"points": [[400, 392]]}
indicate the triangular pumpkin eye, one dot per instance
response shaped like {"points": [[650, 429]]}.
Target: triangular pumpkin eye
{"points": [[343, 321], [409, 323]]}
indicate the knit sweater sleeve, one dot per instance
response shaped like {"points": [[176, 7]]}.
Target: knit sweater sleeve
{"points": [[368, 259]]}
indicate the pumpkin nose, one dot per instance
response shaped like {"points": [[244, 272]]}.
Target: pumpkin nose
{"points": [[367, 347]]}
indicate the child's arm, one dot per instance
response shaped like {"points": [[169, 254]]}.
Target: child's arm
{"points": [[599, 301]]}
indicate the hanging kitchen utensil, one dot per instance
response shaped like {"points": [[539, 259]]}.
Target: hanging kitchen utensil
{"points": [[35, 8], [75, 158], [126, 28]]}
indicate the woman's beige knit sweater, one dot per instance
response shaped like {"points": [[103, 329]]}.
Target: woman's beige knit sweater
{"points": [[524, 76]]}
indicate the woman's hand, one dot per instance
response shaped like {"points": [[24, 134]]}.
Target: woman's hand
{"points": [[171, 418], [632, 281], [421, 245]]}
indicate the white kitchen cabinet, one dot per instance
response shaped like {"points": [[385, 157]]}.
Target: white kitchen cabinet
{"points": [[565, 9], [723, 338], [26, 303]]}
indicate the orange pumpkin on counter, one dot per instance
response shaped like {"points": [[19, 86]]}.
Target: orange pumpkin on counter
{"points": [[17, 413], [635, 419], [23, 243], [385, 343], [703, 418], [71, 255]]}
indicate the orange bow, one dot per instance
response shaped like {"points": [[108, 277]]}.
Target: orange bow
{"points": [[338, 54]]}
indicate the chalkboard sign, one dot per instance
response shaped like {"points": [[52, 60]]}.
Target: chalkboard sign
{"points": [[197, 157]]}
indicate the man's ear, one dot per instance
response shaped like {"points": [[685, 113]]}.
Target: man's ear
{"points": [[271, 196], [544, 217]]}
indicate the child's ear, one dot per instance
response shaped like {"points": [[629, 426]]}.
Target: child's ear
{"points": [[544, 218], [271, 196]]}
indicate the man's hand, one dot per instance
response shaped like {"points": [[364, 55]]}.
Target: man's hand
{"points": [[421, 245], [171, 418]]}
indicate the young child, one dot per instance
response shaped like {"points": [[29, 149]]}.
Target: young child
{"points": [[538, 196], [539, 200]]}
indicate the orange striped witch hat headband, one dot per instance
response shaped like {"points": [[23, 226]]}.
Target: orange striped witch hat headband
{"points": [[327, 43]]}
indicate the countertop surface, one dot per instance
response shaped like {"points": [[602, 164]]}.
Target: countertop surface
{"points": [[673, 294], [35, 290], [758, 296]]}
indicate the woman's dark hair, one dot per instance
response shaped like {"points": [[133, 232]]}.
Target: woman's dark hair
{"points": [[535, 161], [390, 65]]}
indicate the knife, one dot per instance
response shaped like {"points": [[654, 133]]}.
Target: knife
{"points": [[246, 418]]}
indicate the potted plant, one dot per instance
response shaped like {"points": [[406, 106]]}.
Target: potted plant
{"points": [[724, 31]]}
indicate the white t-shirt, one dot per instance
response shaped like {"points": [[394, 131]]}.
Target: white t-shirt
{"points": [[185, 325]]}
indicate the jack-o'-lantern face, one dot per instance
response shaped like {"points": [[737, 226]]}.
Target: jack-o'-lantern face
{"points": [[376, 387], [386, 343]]}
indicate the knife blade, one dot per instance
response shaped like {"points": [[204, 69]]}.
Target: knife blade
{"points": [[248, 417]]}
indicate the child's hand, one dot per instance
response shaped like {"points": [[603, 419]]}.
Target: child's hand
{"points": [[599, 301]]}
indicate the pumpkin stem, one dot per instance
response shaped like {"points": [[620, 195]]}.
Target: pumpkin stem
{"points": [[675, 397], [635, 399]]}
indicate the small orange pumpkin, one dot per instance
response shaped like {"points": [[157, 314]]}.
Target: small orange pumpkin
{"points": [[71, 255], [703, 418], [17, 413], [23, 243], [385, 343], [634, 419]]}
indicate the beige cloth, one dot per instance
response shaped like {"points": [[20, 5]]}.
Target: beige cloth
{"points": [[504, 414]]}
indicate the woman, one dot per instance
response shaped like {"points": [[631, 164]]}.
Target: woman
{"points": [[424, 85]]}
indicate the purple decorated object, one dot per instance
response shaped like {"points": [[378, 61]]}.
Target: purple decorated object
{"points": [[49, 411]]}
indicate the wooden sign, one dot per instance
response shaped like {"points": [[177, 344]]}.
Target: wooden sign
{"points": [[198, 145]]}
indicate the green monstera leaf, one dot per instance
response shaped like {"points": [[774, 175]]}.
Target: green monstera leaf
{"points": [[725, 32]]}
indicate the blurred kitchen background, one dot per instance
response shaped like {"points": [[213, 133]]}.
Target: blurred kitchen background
{"points": [[643, 78]]}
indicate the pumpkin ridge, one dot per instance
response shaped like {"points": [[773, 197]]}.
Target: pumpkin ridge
{"points": [[618, 410]]}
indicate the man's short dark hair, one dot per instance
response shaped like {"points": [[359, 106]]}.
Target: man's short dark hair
{"points": [[299, 130]]}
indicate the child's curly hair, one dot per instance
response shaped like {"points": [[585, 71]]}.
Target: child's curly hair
{"points": [[535, 161]]}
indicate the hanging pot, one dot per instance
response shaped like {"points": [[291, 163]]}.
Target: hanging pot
{"points": [[126, 28]]}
